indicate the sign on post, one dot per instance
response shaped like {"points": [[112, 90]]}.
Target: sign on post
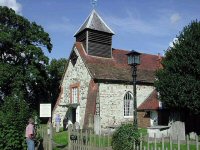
{"points": [[45, 110]]}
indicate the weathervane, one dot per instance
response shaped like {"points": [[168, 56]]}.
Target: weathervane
{"points": [[94, 3]]}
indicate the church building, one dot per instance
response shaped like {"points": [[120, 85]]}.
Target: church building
{"points": [[97, 86]]}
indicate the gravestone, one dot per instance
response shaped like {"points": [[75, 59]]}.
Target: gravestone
{"points": [[97, 124], [177, 130], [192, 135]]}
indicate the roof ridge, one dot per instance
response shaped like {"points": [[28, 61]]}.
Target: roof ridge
{"points": [[90, 18], [94, 23], [104, 22], [129, 51]]}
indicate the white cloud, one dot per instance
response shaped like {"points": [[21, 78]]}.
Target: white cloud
{"points": [[12, 4], [174, 18], [171, 44]]}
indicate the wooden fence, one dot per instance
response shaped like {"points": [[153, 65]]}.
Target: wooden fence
{"points": [[45, 132], [86, 140], [166, 143]]}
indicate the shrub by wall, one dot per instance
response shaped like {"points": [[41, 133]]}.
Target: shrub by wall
{"points": [[124, 137]]}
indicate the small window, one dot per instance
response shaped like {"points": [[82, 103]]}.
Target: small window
{"points": [[128, 104], [74, 95]]}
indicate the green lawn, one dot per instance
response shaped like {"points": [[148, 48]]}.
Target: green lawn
{"points": [[60, 139]]}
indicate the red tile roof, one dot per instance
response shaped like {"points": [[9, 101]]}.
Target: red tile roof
{"points": [[117, 68], [151, 103]]}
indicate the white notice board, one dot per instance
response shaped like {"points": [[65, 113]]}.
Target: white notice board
{"points": [[45, 110]]}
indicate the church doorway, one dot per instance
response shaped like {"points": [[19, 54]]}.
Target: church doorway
{"points": [[73, 115]]}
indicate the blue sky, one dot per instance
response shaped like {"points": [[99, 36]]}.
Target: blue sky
{"points": [[147, 26]]}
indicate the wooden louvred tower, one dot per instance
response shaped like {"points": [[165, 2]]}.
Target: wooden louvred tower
{"points": [[96, 36]]}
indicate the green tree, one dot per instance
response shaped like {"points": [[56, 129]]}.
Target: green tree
{"points": [[23, 75], [22, 60], [13, 116], [179, 81], [56, 70], [125, 137]]}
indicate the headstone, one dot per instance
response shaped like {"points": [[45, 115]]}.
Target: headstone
{"points": [[192, 135], [97, 124], [177, 130], [77, 126]]}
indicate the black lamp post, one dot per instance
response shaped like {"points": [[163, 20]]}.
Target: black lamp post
{"points": [[133, 61]]}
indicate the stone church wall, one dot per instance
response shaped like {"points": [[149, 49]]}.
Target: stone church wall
{"points": [[111, 98], [77, 74]]}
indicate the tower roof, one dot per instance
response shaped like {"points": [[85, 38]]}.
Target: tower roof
{"points": [[94, 22]]}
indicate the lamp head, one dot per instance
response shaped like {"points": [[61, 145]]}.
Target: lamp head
{"points": [[133, 58]]}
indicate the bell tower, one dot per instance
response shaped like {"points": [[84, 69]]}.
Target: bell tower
{"points": [[96, 36]]}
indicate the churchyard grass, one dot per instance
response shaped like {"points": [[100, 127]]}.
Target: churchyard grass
{"points": [[61, 138]]}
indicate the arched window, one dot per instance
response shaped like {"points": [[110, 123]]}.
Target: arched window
{"points": [[128, 104]]}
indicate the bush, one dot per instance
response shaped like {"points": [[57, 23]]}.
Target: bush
{"points": [[124, 137], [13, 115]]}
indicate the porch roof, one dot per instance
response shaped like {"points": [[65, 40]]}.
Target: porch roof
{"points": [[151, 103]]}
